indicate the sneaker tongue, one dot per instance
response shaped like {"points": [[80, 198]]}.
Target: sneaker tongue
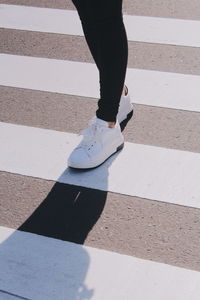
{"points": [[101, 122]]}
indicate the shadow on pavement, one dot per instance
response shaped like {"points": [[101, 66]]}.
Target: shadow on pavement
{"points": [[36, 267]]}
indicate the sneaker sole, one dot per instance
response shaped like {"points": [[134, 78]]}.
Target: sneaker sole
{"points": [[120, 147], [126, 116], [126, 120]]}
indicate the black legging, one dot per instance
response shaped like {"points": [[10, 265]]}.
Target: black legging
{"points": [[103, 27]]}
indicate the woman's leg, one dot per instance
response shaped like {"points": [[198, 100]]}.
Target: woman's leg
{"points": [[104, 30]]}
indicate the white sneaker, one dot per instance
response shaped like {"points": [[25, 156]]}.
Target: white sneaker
{"points": [[125, 107], [99, 142]]}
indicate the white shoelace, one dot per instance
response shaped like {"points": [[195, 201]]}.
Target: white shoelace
{"points": [[91, 134]]}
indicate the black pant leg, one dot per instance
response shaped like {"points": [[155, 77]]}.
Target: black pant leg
{"points": [[104, 30]]}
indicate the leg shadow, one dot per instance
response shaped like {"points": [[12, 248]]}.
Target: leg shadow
{"points": [[68, 213]]}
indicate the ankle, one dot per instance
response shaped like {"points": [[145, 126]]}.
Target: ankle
{"points": [[111, 124], [124, 91]]}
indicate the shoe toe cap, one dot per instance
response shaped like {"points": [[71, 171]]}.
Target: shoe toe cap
{"points": [[78, 159]]}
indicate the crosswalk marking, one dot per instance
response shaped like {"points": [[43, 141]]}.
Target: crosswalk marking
{"points": [[163, 89], [139, 28], [145, 171], [29, 263], [40, 19], [37, 267]]}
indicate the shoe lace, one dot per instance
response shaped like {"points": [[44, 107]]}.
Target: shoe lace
{"points": [[90, 134]]}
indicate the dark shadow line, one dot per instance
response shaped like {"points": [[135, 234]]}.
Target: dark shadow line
{"points": [[14, 295]]}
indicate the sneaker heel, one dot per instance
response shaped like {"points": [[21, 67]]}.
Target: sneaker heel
{"points": [[120, 147]]}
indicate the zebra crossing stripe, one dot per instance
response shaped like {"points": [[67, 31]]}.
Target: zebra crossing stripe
{"points": [[149, 172], [37, 267], [170, 90], [139, 28]]}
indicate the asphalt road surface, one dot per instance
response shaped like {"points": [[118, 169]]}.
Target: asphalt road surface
{"points": [[142, 205]]}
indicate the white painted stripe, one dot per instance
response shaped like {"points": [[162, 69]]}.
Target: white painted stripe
{"points": [[171, 90], [163, 30], [139, 28], [138, 170], [40, 19], [41, 268]]}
